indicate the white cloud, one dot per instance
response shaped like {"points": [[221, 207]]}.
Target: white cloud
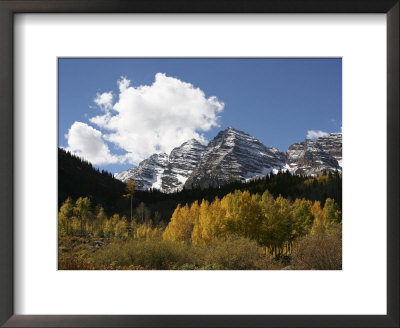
{"points": [[156, 118], [87, 142], [123, 84], [104, 100], [314, 134]]}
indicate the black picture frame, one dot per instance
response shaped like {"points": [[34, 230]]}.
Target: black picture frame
{"points": [[7, 10]]}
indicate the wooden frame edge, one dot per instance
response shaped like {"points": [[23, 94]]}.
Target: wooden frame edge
{"points": [[7, 10]]}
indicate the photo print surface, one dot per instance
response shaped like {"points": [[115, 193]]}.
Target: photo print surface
{"points": [[199, 164]]}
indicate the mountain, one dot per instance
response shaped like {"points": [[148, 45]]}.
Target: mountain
{"points": [[234, 155], [332, 144], [231, 156], [166, 172], [148, 174], [182, 161], [313, 157]]}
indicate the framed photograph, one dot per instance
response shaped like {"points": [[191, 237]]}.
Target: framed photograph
{"points": [[199, 164], [189, 189]]}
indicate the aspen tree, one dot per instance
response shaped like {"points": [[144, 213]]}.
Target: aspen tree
{"points": [[331, 212], [130, 188], [83, 213], [65, 217], [181, 225], [121, 228], [318, 227], [303, 218], [199, 230], [99, 222]]}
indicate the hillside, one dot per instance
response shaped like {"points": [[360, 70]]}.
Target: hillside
{"points": [[78, 178]]}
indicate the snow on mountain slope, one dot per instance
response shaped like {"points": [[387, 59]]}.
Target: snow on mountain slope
{"points": [[234, 155], [148, 173], [182, 161], [332, 144], [167, 173], [313, 157]]}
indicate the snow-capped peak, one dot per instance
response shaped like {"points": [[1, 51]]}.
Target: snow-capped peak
{"points": [[232, 155]]}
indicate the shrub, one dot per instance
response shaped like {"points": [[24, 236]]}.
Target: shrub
{"points": [[318, 252], [188, 266], [74, 263], [237, 254], [149, 254], [232, 254]]}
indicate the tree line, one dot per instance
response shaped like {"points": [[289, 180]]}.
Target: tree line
{"points": [[274, 223], [81, 219], [79, 179]]}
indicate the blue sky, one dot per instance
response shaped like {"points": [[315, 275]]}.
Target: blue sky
{"points": [[278, 101]]}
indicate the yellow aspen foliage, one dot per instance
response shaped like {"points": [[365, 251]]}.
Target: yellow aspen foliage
{"points": [[277, 225], [326, 218], [267, 209], [109, 226], [211, 223], [75, 226], [156, 233], [303, 218], [187, 222], [83, 212], [121, 229], [171, 230], [181, 225], [130, 188], [332, 214], [199, 230], [283, 219], [108, 229], [309, 181], [232, 203], [323, 179], [219, 229], [244, 214], [98, 224], [142, 231], [133, 226], [267, 202], [65, 217], [318, 227], [146, 232], [273, 223], [194, 211]]}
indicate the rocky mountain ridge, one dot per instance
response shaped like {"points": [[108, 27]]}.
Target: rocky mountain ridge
{"points": [[232, 155], [313, 157], [166, 172]]}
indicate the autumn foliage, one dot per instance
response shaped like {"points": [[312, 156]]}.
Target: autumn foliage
{"points": [[238, 231], [273, 223]]}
